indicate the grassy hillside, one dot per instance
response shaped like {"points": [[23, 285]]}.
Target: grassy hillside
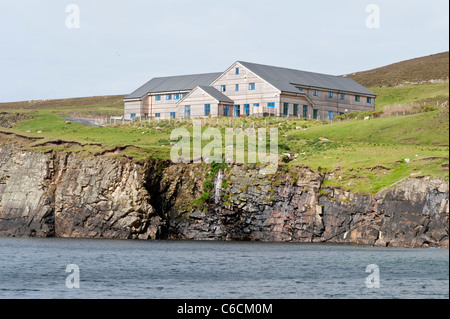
{"points": [[359, 156], [419, 70], [367, 156], [429, 128], [428, 94], [410, 84], [111, 105]]}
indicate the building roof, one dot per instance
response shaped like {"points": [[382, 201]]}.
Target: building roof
{"points": [[173, 84], [215, 94], [286, 80]]}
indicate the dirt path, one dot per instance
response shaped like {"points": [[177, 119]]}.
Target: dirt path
{"points": [[87, 122]]}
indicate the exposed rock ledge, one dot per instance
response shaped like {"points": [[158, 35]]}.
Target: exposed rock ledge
{"points": [[64, 195]]}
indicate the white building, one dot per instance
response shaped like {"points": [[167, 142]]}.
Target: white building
{"points": [[249, 89]]}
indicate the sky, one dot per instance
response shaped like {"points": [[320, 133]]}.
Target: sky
{"points": [[48, 50]]}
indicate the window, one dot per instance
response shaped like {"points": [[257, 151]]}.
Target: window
{"points": [[247, 109], [236, 87], [315, 114], [237, 110], [316, 93], [305, 111], [295, 109], [223, 88], [330, 95], [184, 95], [271, 104], [157, 114], [369, 100], [342, 97], [300, 89], [207, 109], [330, 115], [157, 97], [237, 71], [146, 114], [226, 109], [357, 98], [133, 115], [286, 109], [172, 115], [255, 104], [251, 86], [187, 111], [176, 96], [168, 96]]}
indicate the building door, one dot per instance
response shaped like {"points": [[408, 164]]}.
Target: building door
{"points": [[286, 109], [237, 111], [305, 111], [207, 109], [247, 109], [226, 110], [187, 111], [295, 109]]}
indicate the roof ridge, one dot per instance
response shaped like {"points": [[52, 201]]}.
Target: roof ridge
{"points": [[182, 75], [290, 69], [285, 79], [173, 83]]}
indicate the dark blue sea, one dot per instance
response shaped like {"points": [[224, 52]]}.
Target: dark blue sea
{"points": [[36, 268]]}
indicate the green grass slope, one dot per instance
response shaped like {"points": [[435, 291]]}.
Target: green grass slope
{"points": [[367, 156], [429, 128], [110, 105], [359, 156], [409, 84], [428, 94]]}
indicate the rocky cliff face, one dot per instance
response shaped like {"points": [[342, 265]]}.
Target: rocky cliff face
{"points": [[292, 206], [66, 195]]}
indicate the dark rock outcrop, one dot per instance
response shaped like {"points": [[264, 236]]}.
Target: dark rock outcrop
{"points": [[66, 195], [293, 207], [26, 207]]}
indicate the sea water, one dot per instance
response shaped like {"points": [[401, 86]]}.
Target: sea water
{"points": [[100, 268]]}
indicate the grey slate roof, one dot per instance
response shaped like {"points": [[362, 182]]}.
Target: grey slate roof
{"points": [[219, 96], [283, 79], [174, 83]]}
